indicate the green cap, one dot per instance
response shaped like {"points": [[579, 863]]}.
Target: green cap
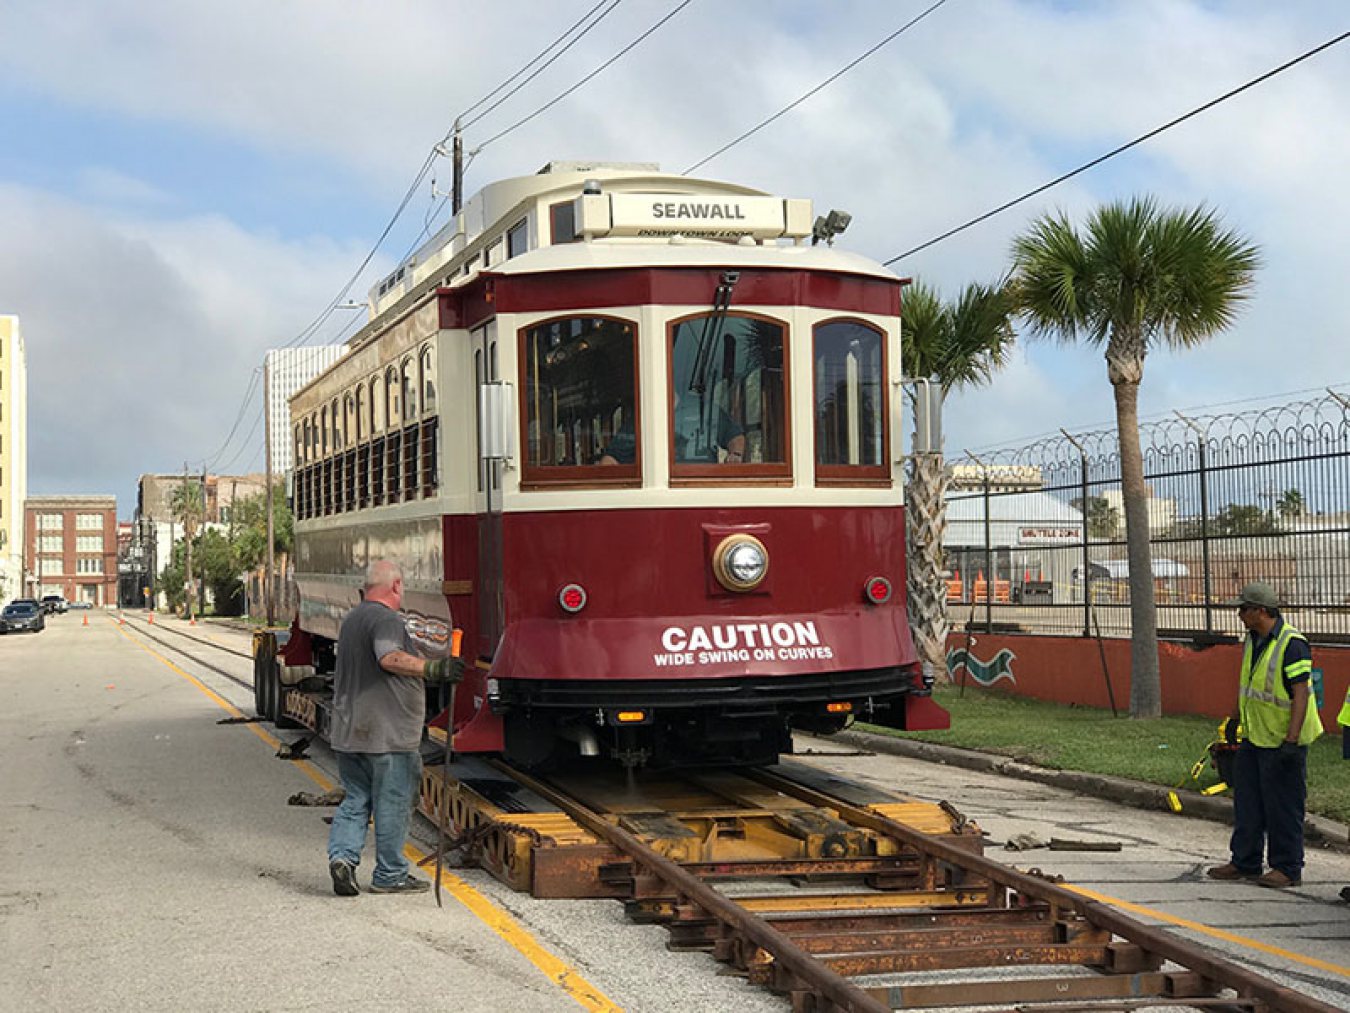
{"points": [[1257, 593]]}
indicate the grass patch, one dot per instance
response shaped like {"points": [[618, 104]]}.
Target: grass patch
{"points": [[1157, 751]]}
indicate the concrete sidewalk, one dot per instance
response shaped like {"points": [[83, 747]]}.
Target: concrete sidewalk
{"points": [[1318, 830]]}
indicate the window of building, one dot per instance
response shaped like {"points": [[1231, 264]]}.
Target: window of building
{"points": [[50, 522], [89, 522], [727, 411], [392, 412], [495, 253], [93, 565], [579, 378], [376, 406], [336, 416], [50, 543], [349, 432], [427, 371], [518, 238], [408, 374], [850, 401], [562, 222], [362, 424], [323, 432], [48, 567], [89, 543]]}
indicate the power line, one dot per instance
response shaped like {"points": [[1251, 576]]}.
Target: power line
{"points": [[581, 35], [1124, 147], [823, 84], [613, 59], [248, 397]]}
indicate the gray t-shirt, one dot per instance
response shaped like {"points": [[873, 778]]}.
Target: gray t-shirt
{"points": [[374, 711]]}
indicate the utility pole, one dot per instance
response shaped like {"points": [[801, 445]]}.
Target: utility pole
{"points": [[457, 157], [187, 543], [268, 576]]}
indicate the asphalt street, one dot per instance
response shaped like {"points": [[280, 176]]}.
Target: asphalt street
{"points": [[149, 861]]}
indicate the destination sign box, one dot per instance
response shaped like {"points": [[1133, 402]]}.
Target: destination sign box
{"points": [[698, 216]]}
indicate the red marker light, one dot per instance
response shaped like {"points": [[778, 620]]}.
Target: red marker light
{"points": [[877, 590], [572, 598]]}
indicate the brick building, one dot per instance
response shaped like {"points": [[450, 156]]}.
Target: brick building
{"points": [[70, 544]]}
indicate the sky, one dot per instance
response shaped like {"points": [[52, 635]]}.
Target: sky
{"points": [[184, 185]]}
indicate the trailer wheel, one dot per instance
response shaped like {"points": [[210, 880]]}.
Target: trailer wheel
{"points": [[278, 692], [259, 688]]}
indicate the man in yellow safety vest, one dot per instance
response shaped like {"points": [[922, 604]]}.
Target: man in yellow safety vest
{"points": [[1280, 721]]}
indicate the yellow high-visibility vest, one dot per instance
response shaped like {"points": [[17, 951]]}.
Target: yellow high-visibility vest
{"points": [[1343, 718], [1263, 701]]}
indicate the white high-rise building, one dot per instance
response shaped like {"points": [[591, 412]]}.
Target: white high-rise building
{"points": [[289, 369], [13, 456]]}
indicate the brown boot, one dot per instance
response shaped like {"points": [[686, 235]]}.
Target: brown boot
{"points": [[1228, 872], [1277, 880]]}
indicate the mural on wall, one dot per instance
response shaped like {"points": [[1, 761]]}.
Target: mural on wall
{"points": [[986, 673]]}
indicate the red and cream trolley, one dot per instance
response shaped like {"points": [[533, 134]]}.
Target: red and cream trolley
{"points": [[637, 435]]}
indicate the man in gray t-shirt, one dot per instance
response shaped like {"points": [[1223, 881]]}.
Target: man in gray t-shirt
{"points": [[379, 702]]}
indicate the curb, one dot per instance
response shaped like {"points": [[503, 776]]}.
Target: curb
{"points": [[1317, 829]]}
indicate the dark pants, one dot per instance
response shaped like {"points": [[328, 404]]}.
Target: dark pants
{"points": [[1268, 795]]}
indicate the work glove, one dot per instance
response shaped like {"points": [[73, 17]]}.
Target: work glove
{"points": [[1290, 752], [443, 671]]}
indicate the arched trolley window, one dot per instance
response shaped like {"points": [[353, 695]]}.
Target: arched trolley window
{"points": [[728, 411], [580, 411], [849, 359]]}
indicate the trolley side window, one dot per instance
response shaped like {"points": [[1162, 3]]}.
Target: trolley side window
{"points": [[728, 415], [579, 378], [850, 402]]}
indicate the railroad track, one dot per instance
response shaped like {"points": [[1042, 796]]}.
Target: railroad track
{"points": [[153, 632], [842, 927], [807, 886]]}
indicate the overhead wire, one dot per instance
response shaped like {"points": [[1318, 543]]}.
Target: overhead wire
{"points": [[1124, 147], [820, 87], [598, 70], [312, 328], [543, 67]]}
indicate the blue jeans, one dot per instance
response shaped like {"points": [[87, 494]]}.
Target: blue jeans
{"points": [[1268, 797], [383, 786]]}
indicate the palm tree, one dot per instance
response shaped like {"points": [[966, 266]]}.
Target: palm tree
{"points": [[957, 345], [187, 507], [1136, 278]]}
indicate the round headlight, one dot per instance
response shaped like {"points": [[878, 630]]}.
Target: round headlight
{"points": [[740, 562]]}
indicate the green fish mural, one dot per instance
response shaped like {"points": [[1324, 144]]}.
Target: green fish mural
{"points": [[985, 673]]}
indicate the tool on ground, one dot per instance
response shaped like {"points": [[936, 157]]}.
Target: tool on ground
{"points": [[1220, 754], [443, 813]]}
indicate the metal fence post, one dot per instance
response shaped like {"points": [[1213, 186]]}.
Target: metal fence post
{"points": [[1204, 521], [989, 581]]}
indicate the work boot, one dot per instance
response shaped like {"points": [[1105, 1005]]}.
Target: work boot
{"points": [[344, 878], [406, 885], [1228, 872], [1277, 880]]}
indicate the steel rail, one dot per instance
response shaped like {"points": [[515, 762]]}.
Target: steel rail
{"points": [[144, 630], [803, 968], [200, 640], [1193, 957]]}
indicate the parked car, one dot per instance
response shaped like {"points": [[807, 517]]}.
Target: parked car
{"points": [[54, 603], [19, 616], [81, 604]]}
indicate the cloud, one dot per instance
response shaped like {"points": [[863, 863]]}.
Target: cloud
{"points": [[136, 308], [141, 335]]}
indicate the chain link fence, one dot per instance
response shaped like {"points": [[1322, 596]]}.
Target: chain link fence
{"points": [[1035, 538]]}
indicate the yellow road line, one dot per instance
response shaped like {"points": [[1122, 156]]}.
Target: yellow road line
{"points": [[1209, 930], [562, 974]]}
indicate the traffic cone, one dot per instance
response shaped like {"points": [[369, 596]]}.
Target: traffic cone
{"points": [[86, 620], [151, 620]]}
